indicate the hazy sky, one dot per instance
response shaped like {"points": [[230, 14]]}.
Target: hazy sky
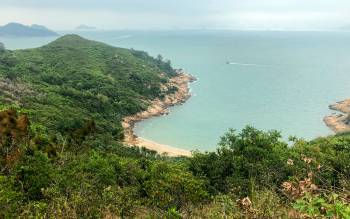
{"points": [[187, 14]]}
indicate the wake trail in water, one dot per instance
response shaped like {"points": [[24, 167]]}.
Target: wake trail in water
{"points": [[123, 37], [249, 64]]}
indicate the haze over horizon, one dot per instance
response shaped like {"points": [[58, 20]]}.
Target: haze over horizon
{"points": [[180, 14]]}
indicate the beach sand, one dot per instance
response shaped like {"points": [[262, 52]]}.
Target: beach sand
{"points": [[157, 108]]}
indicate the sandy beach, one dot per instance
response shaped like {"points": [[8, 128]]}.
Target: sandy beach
{"points": [[338, 121], [160, 107]]}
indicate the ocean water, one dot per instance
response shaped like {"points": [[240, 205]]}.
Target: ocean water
{"points": [[270, 80]]}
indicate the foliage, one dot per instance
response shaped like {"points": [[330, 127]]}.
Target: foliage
{"points": [[2, 47], [241, 159], [10, 197], [170, 186], [14, 130], [34, 174], [77, 80], [117, 181], [61, 152], [330, 206]]}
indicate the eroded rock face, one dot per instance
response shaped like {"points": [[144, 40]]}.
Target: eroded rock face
{"points": [[159, 107]]}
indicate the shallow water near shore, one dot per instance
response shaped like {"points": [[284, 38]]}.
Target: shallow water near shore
{"points": [[271, 80]]}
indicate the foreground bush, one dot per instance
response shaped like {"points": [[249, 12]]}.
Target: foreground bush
{"points": [[253, 174]]}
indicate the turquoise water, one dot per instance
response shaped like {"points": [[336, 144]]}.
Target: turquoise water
{"points": [[277, 80]]}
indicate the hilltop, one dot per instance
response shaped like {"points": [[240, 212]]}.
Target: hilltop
{"points": [[75, 80], [20, 30]]}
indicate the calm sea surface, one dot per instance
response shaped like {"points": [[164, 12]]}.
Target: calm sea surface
{"points": [[275, 80]]}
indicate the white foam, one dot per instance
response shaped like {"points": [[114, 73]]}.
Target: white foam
{"points": [[247, 64], [123, 37]]}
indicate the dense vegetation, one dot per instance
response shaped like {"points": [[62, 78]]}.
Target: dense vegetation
{"points": [[72, 81], [61, 156]]}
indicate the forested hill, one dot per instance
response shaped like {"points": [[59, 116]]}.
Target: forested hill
{"points": [[74, 81]]}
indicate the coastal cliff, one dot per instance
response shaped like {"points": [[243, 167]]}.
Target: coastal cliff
{"points": [[160, 107], [338, 122]]}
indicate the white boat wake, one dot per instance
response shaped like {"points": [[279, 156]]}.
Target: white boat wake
{"points": [[123, 37], [248, 64]]}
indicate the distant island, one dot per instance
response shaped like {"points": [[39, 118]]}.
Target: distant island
{"points": [[20, 30], [85, 27]]}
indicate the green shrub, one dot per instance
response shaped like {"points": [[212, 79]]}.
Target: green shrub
{"points": [[34, 174], [324, 206], [243, 161], [169, 186], [10, 197]]}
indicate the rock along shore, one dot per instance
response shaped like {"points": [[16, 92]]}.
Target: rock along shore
{"points": [[338, 122], [160, 107]]}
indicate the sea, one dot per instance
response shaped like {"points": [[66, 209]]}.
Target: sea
{"points": [[271, 80]]}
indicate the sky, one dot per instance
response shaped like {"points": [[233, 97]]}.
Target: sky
{"points": [[179, 14]]}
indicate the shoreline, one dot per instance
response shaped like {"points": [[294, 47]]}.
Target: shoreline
{"points": [[338, 121], [158, 108]]}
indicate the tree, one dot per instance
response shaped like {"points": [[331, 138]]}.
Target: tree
{"points": [[2, 47], [14, 130], [243, 161], [178, 186], [34, 174], [160, 58]]}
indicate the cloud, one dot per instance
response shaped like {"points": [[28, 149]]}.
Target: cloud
{"points": [[63, 14]]}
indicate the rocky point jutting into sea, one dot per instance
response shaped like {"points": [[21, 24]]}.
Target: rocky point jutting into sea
{"points": [[339, 122], [160, 107]]}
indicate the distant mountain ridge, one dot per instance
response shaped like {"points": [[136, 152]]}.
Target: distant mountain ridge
{"points": [[20, 30]]}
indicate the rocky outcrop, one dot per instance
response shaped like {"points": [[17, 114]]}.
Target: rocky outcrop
{"points": [[339, 122], [160, 107]]}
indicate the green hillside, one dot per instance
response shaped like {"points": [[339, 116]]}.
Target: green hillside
{"points": [[73, 80], [61, 154]]}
